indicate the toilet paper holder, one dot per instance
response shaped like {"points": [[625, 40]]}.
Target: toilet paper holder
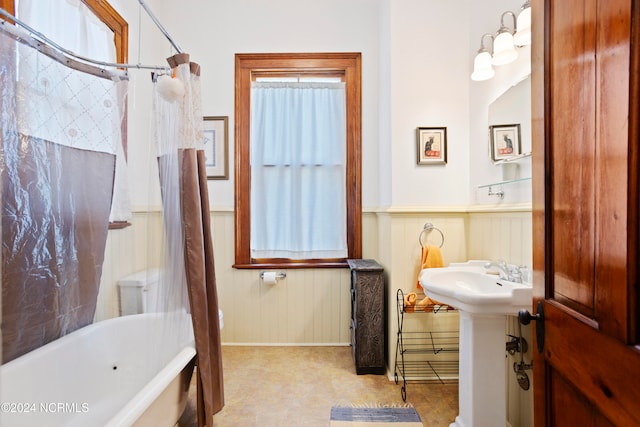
{"points": [[279, 275]]}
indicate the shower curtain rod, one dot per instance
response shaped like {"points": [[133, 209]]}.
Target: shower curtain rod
{"points": [[38, 38], [159, 25]]}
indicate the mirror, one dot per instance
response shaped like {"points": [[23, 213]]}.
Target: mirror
{"points": [[514, 107]]}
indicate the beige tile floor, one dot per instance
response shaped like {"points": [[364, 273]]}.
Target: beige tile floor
{"points": [[297, 386]]}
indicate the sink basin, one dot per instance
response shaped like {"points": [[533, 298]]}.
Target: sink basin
{"points": [[468, 287]]}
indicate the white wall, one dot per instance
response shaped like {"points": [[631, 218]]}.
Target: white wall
{"points": [[429, 88]]}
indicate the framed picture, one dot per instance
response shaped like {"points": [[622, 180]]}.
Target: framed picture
{"points": [[505, 141], [216, 146], [432, 146]]}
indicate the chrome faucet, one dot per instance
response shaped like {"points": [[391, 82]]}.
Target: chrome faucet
{"points": [[501, 266], [508, 272]]}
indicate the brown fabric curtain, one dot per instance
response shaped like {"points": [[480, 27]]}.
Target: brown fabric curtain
{"points": [[201, 281], [182, 144]]}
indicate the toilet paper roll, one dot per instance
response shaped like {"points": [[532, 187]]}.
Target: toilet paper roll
{"points": [[269, 277]]}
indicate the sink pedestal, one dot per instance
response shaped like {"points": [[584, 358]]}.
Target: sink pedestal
{"points": [[484, 302], [482, 377]]}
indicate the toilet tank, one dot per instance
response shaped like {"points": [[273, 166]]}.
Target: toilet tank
{"points": [[138, 292]]}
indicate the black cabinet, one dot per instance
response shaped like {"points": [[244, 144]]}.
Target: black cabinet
{"points": [[368, 316]]}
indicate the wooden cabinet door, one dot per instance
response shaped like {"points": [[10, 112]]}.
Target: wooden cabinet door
{"points": [[585, 211]]}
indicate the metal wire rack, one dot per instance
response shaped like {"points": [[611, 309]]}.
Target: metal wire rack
{"points": [[424, 356]]}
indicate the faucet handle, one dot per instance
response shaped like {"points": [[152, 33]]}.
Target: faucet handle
{"points": [[518, 272], [515, 276], [525, 274]]}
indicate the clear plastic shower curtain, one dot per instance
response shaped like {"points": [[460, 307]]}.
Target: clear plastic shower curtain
{"points": [[177, 131], [59, 131]]}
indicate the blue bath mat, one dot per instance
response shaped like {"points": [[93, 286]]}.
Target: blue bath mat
{"points": [[374, 416]]}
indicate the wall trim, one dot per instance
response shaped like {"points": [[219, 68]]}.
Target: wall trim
{"points": [[515, 207], [286, 344], [440, 210], [392, 210], [420, 209], [157, 208]]}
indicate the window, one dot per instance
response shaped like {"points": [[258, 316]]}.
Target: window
{"points": [[343, 67]]}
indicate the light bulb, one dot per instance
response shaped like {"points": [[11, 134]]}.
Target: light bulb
{"points": [[482, 68], [504, 51], [523, 26]]}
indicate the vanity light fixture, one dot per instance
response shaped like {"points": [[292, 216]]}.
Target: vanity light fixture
{"points": [[522, 36], [503, 44], [504, 50], [482, 66]]}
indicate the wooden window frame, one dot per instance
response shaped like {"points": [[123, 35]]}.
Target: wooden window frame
{"points": [[9, 6], [116, 23], [247, 65]]}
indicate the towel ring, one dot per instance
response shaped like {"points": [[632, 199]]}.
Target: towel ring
{"points": [[428, 227]]}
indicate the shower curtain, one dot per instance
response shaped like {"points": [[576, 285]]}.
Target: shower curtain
{"points": [[181, 162], [59, 131]]}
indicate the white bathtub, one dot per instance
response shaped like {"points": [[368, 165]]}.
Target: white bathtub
{"points": [[107, 374]]}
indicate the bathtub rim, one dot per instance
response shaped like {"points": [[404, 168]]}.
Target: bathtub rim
{"points": [[143, 399], [85, 330]]}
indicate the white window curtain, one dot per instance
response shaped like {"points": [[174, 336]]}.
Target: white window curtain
{"points": [[72, 25], [298, 159]]}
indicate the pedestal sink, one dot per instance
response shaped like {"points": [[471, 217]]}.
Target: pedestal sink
{"points": [[484, 302]]}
